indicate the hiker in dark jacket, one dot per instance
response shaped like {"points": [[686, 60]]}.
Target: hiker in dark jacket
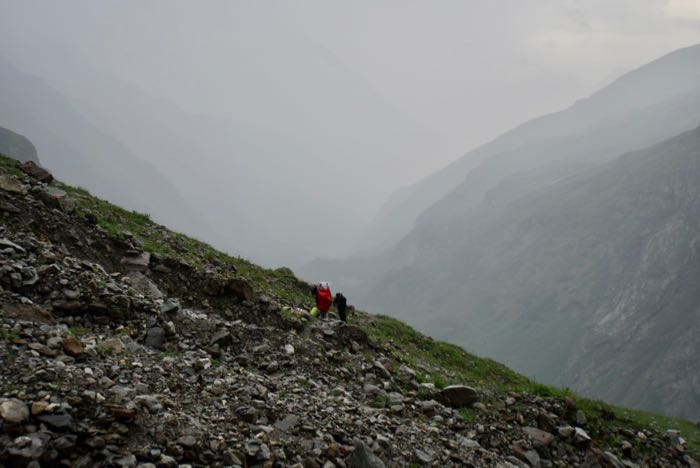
{"points": [[341, 303]]}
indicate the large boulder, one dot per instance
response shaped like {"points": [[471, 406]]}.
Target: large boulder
{"points": [[224, 285], [57, 198], [33, 169], [458, 396], [136, 261], [11, 184], [362, 457]]}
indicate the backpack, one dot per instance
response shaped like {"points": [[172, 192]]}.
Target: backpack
{"points": [[324, 298]]}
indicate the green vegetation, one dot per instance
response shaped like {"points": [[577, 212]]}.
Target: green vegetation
{"points": [[8, 335], [468, 414], [10, 166], [415, 349], [78, 332], [380, 401]]}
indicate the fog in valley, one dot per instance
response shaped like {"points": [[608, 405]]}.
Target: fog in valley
{"points": [[286, 125]]}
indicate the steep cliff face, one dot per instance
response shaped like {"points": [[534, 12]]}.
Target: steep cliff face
{"points": [[17, 146], [589, 281]]}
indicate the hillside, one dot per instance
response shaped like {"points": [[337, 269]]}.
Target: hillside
{"points": [[587, 282], [125, 344], [17, 146], [100, 162]]}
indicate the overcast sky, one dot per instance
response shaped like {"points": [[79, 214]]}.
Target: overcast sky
{"points": [[374, 94], [466, 70]]}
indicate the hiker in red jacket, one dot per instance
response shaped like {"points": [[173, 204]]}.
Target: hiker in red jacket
{"points": [[324, 298]]}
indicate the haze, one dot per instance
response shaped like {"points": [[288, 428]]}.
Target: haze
{"points": [[286, 125]]}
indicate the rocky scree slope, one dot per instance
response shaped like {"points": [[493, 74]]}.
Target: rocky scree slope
{"points": [[124, 344]]}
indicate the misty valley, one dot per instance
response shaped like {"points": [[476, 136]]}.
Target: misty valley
{"points": [[242, 235]]}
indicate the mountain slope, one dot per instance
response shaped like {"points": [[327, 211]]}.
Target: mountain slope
{"points": [[99, 162], [17, 146], [99, 368], [586, 281], [640, 108]]}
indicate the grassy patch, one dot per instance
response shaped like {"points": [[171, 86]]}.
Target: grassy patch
{"points": [[10, 166], [380, 401], [8, 335], [468, 414], [410, 346], [453, 365], [78, 332]]}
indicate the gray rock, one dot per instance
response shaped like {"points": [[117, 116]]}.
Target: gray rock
{"points": [[137, 261], [150, 402], [288, 423], [155, 337], [5, 243], [29, 447], [581, 437], [12, 185], [57, 198], [145, 285], [566, 431], [612, 460], [126, 462], [14, 411], [422, 457], [56, 421], [538, 436], [362, 457], [170, 306]]}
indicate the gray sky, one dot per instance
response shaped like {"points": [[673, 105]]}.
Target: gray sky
{"points": [[373, 94]]}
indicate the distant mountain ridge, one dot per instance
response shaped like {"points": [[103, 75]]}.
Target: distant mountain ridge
{"points": [[495, 264], [590, 282], [633, 92]]}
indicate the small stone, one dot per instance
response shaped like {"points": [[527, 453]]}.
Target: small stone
{"points": [[581, 437], [286, 424], [39, 407], [566, 431], [56, 421], [72, 346], [422, 457], [289, 349], [538, 436]]}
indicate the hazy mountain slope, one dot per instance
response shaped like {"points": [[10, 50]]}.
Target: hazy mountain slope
{"points": [[588, 128], [17, 146], [588, 282], [194, 357], [78, 152], [298, 134]]}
